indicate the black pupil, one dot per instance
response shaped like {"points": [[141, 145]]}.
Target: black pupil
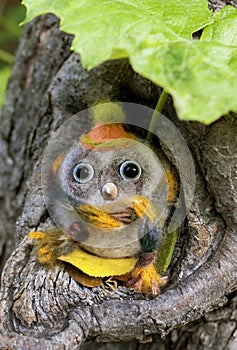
{"points": [[82, 172], [131, 170]]}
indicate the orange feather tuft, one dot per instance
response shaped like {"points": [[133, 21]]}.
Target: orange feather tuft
{"points": [[102, 134]]}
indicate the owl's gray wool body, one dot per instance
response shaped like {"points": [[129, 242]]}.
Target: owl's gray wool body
{"points": [[123, 241]]}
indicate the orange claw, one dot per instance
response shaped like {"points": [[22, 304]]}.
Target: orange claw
{"points": [[146, 280]]}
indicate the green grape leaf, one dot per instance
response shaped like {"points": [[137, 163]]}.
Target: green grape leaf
{"points": [[224, 28], [111, 29], [156, 36], [4, 76], [200, 77]]}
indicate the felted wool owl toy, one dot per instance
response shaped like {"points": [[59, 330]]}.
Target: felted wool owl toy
{"points": [[112, 194]]}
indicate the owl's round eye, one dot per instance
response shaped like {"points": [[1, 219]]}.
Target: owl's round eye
{"points": [[130, 170], [83, 173]]}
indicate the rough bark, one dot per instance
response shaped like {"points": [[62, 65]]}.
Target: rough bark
{"points": [[46, 309]]}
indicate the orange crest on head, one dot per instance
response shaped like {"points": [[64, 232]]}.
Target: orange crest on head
{"points": [[108, 131], [106, 136]]}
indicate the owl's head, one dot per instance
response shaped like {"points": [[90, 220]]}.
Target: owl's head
{"points": [[110, 175]]}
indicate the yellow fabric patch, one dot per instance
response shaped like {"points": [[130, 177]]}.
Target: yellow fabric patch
{"points": [[142, 205], [44, 255], [172, 184], [58, 162], [97, 217], [96, 266], [37, 235]]}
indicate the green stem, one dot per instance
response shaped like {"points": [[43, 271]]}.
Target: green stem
{"points": [[6, 57], [159, 107]]}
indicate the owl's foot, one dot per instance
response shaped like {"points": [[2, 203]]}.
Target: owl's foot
{"points": [[146, 280], [50, 244], [144, 277]]}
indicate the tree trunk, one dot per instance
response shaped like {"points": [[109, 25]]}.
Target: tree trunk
{"points": [[47, 309]]}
